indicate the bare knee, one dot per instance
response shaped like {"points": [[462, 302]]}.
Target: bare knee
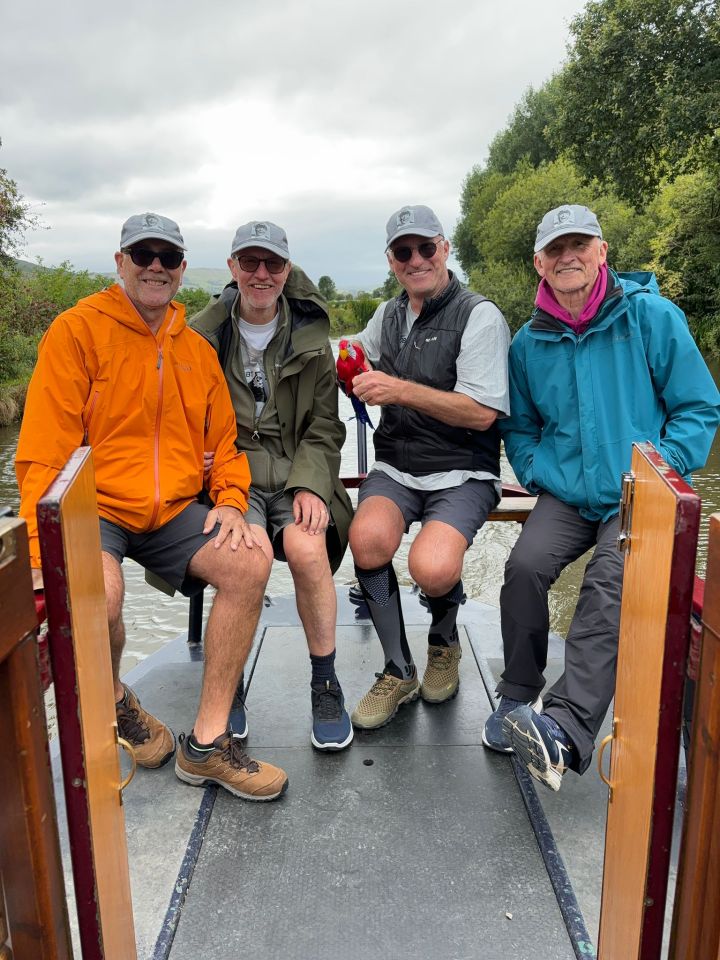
{"points": [[307, 558], [433, 579], [374, 538]]}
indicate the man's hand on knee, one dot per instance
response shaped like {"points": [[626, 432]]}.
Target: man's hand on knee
{"points": [[310, 512], [232, 526]]}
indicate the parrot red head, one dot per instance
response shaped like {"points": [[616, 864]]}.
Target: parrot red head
{"points": [[351, 362]]}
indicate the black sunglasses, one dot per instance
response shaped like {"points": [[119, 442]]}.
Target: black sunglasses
{"points": [[427, 251], [143, 257], [272, 264]]}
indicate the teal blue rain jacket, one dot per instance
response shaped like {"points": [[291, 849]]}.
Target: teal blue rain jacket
{"points": [[577, 403]]}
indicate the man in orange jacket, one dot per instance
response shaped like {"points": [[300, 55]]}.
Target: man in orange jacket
{"points": [[123, 373]]}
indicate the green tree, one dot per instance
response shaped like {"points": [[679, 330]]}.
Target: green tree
{"points": [[479, 192], [193, 299], [15, 218], [326, 286], [639, 97], [526, 136]]}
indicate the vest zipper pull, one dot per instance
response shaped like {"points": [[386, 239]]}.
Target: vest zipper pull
{"points": [[255, 435]]}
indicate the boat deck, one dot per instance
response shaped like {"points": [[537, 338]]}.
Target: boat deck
{"points": [[414, 842]]}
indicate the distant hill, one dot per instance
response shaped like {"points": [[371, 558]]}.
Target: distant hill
{"points": [[25, 266], [210, 279]]}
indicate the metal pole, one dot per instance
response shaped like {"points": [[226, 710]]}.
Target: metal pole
{"points": [[361, 433]]}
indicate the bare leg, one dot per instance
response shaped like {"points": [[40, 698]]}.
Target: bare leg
{"points": [[436, 558], [239, 578], [314, 588], [376, 532], [114, 596]]}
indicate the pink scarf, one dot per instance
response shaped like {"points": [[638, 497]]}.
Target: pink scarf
{"points": [[547, 301]]}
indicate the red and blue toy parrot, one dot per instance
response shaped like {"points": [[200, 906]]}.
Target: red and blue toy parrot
{"points": [[351, 362]]}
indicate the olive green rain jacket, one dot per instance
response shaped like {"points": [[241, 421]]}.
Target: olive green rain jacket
{"points": [[296, 442]]}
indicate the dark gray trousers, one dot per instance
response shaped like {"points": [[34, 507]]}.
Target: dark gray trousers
{"points": [[554, 536]]}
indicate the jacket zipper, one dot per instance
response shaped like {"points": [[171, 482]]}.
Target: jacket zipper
{"points": [[158, 423]]}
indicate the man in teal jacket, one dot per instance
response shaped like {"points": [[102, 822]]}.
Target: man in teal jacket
{"points": [[603, 361], [270, 329]]}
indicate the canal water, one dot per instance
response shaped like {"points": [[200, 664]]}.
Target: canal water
{"points": [[152, 619]]}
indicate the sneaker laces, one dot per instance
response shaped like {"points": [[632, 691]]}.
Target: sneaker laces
{"points": [[233, 753], [439, 658], [130, 726], [385, 683], [326, 702]]}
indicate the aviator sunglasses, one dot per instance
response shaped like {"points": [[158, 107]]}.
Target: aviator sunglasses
{"points": [[143, 257], [426, 250], [272, 264]]}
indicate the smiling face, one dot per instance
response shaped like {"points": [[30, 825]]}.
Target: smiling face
{"points": [[260, 290], [150, 288], [422, 279], [571, 264]]}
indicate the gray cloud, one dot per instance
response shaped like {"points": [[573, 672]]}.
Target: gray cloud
{"points": [[323, 116]]}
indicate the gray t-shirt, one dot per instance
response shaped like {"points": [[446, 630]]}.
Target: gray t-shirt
{"points": [[482, 375]]}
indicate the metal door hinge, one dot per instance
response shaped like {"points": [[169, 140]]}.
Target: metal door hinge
{"points": [[626, 508]]}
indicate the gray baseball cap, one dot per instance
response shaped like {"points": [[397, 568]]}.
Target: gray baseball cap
{"points": [[150, 226], [418, 220], [261, 233], [570, 218]]}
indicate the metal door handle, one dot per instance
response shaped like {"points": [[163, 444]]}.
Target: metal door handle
{"points": [[608, 739], [129, 750]]}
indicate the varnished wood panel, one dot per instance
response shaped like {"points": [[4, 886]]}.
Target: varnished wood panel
{"points": [[654, 629], [30, 864], [696, 920], [80, 653]]}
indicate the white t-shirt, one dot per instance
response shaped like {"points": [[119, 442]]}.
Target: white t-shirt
{"points": [[482, 374], [254, 338]]}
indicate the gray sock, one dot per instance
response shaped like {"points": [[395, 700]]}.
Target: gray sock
{"points": [[382, 595]]}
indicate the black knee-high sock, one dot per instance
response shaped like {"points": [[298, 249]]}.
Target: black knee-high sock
{"points": [[382, 595], [444, 610]]}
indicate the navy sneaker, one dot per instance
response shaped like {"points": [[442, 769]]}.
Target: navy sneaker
{"points": [[493, 735], [331, 729], [542, 745]]}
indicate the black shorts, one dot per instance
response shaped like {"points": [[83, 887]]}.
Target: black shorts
{"points": [[166, 551]]}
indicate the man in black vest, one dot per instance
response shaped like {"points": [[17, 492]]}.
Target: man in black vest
{"points": [[439, 358]]}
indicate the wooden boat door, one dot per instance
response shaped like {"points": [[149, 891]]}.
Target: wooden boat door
{"points": [[660, 519], [80, 655]]}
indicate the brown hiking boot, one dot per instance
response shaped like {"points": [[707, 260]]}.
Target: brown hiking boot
{"points": [[153, 743], [381, 702], [229, 766], [441, 679]]}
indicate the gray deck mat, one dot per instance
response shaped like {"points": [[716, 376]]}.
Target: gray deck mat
{"points": [[426, 853]]}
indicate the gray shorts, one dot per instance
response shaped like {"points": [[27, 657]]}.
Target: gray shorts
{"points": [[465, 507], [273, 512], [166, 551]]}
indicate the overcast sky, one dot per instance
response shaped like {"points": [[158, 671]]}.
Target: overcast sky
{"points": [[322, 116]]}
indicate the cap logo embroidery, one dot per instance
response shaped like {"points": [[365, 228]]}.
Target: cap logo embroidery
{"points": [[259, 229], [405, 216], [151, 221], [563, 215]]}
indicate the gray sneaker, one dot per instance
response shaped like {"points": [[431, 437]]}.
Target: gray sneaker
{"points": [[494, 736]]}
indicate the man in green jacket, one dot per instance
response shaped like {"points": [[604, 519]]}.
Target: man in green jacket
{"points": [[270, 328]]}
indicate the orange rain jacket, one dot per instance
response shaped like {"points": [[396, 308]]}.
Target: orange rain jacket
{"points": [[149, 405]]}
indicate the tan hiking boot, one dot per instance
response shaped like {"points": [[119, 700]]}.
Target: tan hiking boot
{"points": [[229, 766], [153, 743], [381, 702], [441, 679]]}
